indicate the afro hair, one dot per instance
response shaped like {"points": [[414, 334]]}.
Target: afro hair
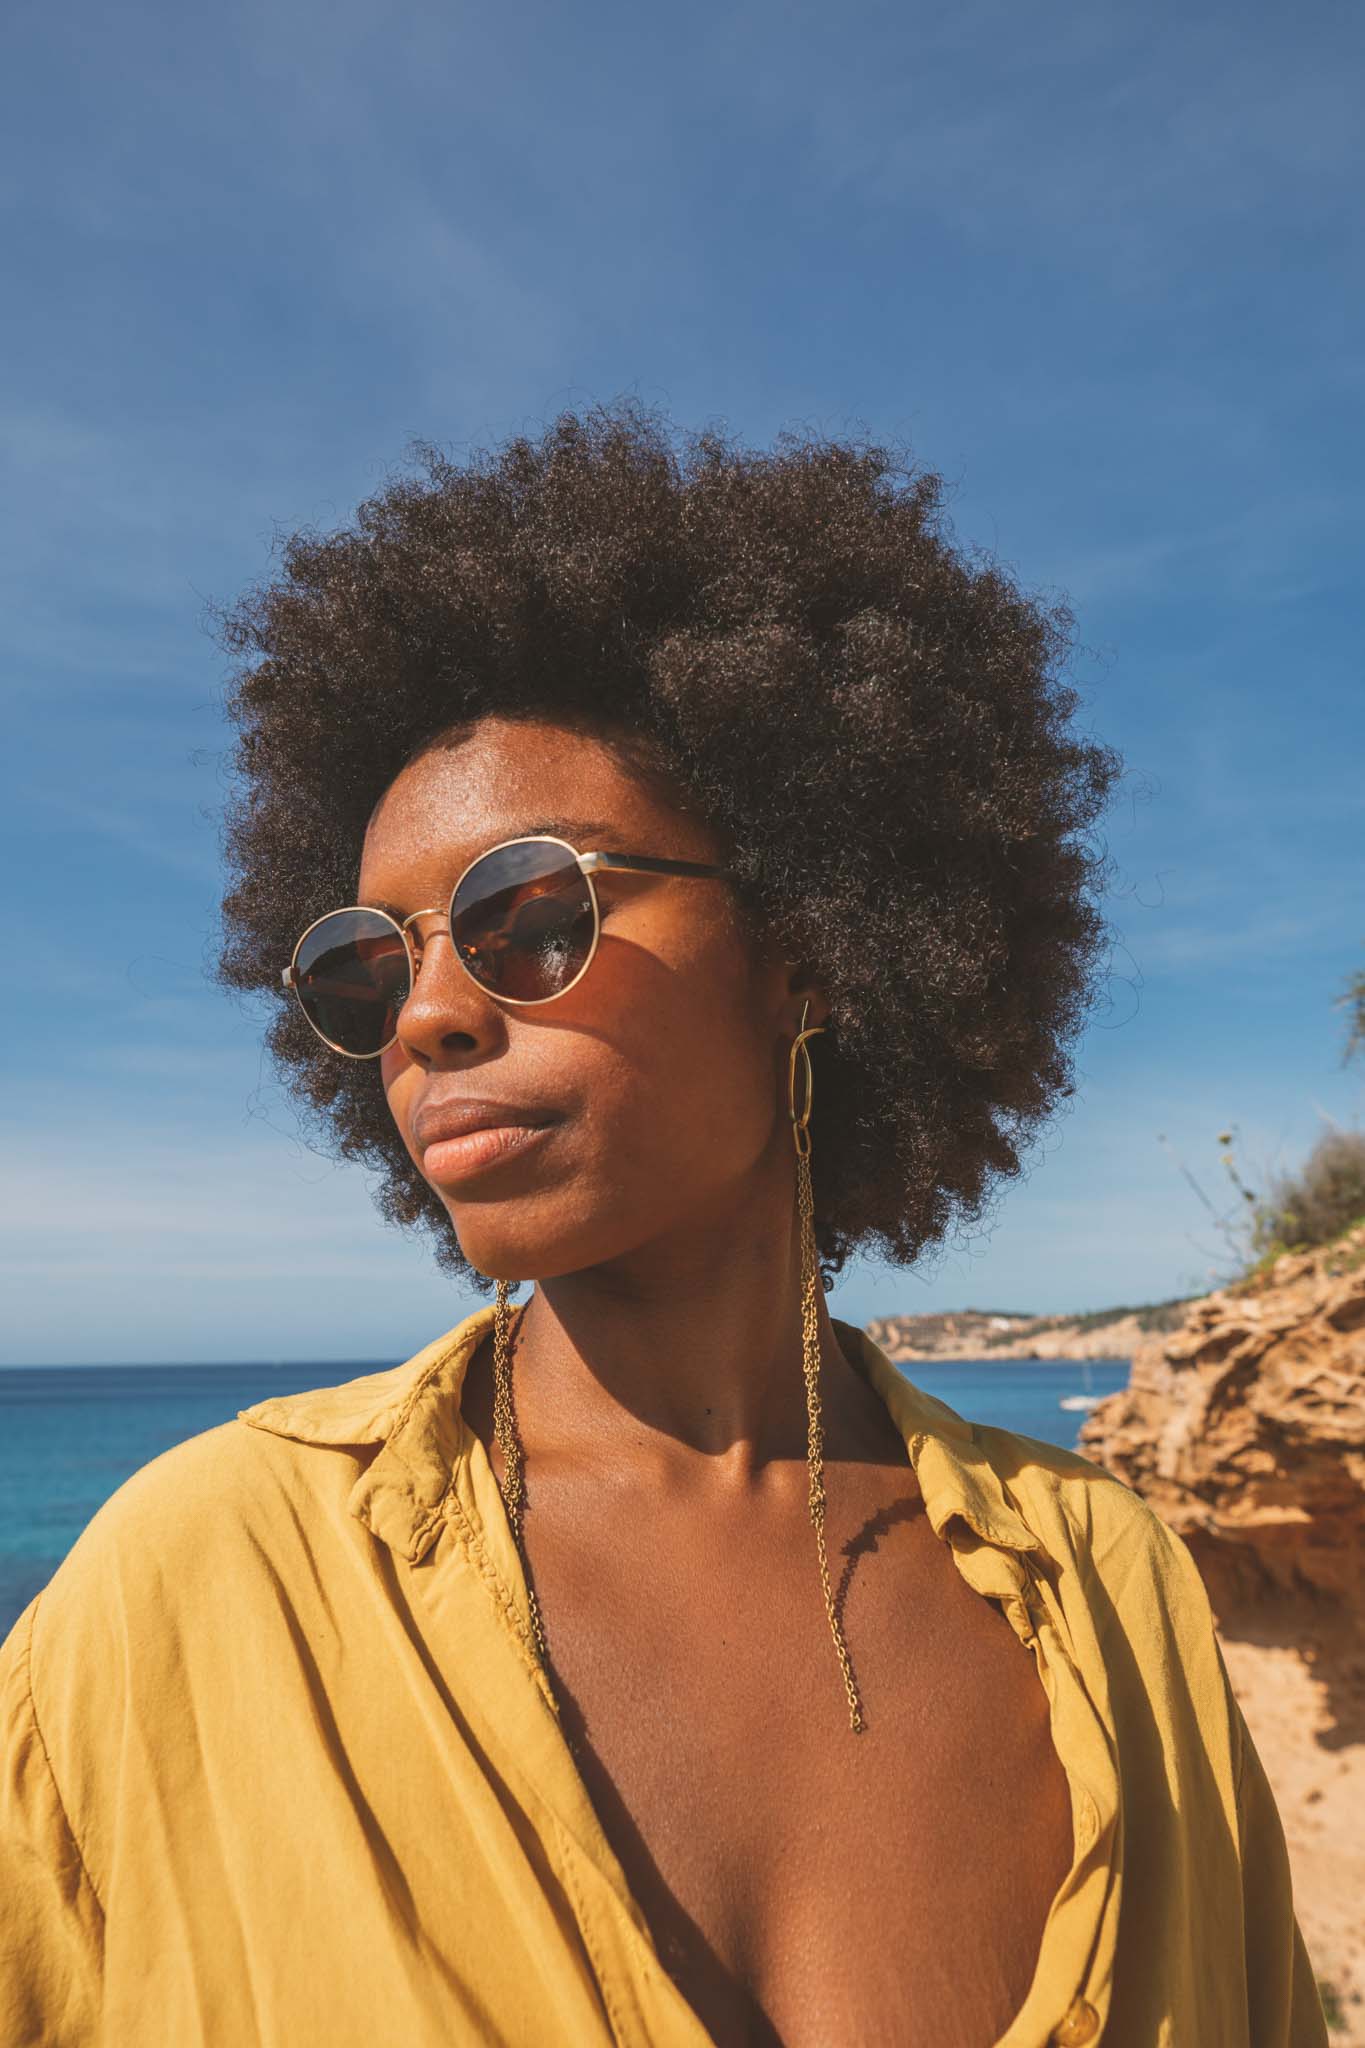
{"points": [[876, 725]]}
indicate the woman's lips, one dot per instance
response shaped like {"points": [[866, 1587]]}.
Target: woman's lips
{"points": [[458, 1158]]}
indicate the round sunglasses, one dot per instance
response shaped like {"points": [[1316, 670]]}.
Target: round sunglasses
{"points": [[524, 919]]}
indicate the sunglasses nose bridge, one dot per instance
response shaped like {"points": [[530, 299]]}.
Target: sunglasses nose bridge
{"points": [[428, 1002], [414, 940]]}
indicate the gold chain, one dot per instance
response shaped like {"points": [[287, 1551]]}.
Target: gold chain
{"points": [[509, 1443], [504, 1414], [815, 1459]]}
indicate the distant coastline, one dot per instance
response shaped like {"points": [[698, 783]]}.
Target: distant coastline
{"points": [[979, 1333]]}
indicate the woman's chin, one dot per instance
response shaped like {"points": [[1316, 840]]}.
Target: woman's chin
{"points": [[506, 1253], [535, 1253]]}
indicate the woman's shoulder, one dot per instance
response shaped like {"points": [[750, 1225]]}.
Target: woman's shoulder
{"points": [[234, 1521], [206, 1493], [1124, 1581], [246, 1520], [186, 1585], [1090, 1522], [1080, 1527], [215, 1523]]}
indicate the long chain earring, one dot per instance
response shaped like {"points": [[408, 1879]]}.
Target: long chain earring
{"points": [[810, 1343], [513, 1463]]}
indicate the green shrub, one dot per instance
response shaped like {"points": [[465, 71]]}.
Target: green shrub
{"points": [[1315, 1204], [1353, 998]]}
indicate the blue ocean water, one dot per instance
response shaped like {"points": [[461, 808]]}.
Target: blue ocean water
{"points": [[70, 1435]]}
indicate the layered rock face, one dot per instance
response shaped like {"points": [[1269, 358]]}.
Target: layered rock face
{"points": [[1245, 1430], [977, 1333]]}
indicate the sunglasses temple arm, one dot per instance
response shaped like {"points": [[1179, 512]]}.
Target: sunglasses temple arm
{"points": [[647, 864]]}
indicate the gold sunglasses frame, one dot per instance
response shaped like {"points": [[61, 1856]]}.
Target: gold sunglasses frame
{"points": [[588, 864]]}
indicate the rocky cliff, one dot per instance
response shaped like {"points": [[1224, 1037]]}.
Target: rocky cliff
{"points": [[987, 1333], [1245, 1429]]}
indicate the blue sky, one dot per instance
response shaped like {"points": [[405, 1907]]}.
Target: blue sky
{"points": [[1099, 265]]}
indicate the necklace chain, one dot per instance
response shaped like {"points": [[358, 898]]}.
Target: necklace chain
{"points": [[513, 1483], [509, 1444]]}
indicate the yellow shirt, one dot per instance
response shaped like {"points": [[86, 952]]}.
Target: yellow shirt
{"points": [[277, 1765]]}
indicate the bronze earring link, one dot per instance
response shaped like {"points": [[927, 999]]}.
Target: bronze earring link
{"points": [[504, 1414], [810, 1347]]}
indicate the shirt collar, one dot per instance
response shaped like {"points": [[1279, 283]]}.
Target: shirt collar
{"points": [[954, 1470], [413, 1412]]}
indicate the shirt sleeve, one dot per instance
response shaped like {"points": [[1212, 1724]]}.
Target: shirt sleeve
{"points": [[1283, 2000], [51, 1924]]}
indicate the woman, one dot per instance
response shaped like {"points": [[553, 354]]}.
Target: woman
{"points": [[668, 869]]}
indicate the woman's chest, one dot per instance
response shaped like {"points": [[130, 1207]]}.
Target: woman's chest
{"points": [[804, 1884]]}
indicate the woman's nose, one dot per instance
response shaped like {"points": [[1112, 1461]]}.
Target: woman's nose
{"points": [[444, 1003]]}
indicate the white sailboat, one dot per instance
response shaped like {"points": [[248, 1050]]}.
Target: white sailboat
{"points": [[1088, 1399]]}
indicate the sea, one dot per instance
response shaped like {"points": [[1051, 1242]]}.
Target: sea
{"points": [[71, 1434]]}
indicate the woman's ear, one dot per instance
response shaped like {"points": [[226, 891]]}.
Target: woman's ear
{"points": [[801, 985]]}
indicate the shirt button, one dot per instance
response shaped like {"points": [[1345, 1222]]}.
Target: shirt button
{"points": [[1080, 2025]]}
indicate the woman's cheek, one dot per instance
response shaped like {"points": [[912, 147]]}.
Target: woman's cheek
{"points": [[391, 1063], [397, 1077]]}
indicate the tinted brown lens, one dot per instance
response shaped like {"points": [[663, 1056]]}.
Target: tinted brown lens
{"points": [[523, 920], [351, 975]]}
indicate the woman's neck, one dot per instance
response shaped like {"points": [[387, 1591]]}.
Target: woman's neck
{"points": [[684, 1350]]}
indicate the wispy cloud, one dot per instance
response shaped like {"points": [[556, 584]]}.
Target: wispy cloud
{"points": [[1248, 557], [1161, 128], [170, 844], [1263, 941], [203, 1245]]}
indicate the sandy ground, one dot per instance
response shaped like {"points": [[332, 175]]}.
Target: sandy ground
{"points": [[1310, 1735]]}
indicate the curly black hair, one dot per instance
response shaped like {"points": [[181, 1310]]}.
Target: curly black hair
{"points": [[876, 725]]}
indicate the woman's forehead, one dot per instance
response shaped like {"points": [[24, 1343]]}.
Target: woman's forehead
{"points": [[453, 802], [496, 777]]}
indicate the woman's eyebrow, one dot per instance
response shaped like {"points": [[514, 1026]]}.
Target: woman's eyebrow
{"points": [[585, 835], [580, 832]]}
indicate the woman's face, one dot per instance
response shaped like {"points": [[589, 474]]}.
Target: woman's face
{"points": [[662, 1074]]}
